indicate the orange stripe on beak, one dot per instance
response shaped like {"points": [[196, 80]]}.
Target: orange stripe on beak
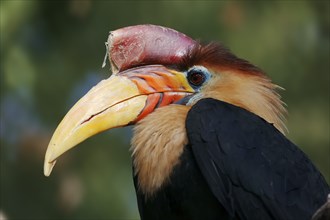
{"points": [[150, 106], [164, 86], [157, 78], [157, 100]]}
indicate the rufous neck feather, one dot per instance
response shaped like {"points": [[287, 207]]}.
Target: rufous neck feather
{"points": [[157, 144], [253, 92], [238, 82]]}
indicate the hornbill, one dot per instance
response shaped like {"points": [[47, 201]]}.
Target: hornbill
{"points": [[209, 137]]}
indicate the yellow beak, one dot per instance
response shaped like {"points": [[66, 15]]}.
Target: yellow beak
{"points": [[120, 100]]}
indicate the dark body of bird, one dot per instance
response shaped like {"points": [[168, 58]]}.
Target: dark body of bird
{"points": [[236, 166]]}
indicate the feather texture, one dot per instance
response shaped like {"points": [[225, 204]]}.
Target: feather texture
{"points": [[253, 170], [157, 144]]}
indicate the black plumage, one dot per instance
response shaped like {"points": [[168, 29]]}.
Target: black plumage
{"points": [[236, 166]]}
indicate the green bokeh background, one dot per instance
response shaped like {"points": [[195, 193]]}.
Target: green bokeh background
{"points": [[51, 54]]}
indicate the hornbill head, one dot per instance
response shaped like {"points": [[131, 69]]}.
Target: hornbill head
{"points": [[159, 68]]}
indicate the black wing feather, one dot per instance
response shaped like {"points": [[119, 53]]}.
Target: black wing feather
{"points": [[253, 169]]}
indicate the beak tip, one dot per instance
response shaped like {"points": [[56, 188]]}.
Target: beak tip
{"points": [[48, 167]]}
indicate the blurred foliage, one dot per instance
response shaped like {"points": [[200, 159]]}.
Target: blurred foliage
{"points": [[51, 54]]}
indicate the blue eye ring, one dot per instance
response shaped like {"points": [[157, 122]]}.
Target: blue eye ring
{"points": [[196, 76]]}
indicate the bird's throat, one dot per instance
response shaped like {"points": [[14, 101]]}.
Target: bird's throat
{"points": [[157, 145]]}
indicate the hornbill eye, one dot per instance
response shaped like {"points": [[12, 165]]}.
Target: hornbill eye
{"points": [[197, 76]]}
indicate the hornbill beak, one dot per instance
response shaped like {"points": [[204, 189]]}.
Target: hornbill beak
{"points": [[122, 99]]}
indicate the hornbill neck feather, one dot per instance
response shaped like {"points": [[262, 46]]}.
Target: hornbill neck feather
{"points": [[157, 144], [238, 82], [254, 93]]}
